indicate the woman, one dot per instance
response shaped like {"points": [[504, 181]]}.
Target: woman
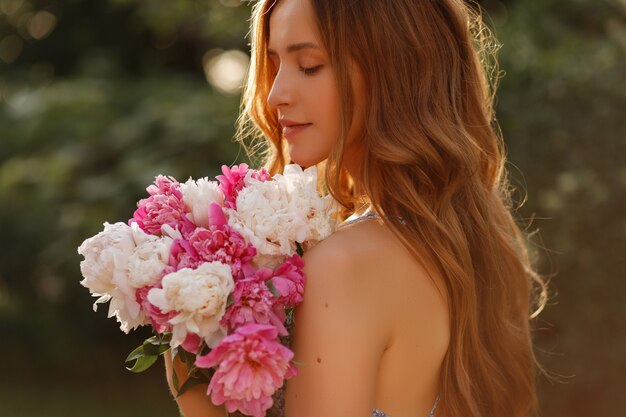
{"points": [[420, 303]]}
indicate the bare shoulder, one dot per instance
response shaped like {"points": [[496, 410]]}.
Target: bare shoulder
{"points": [[377, 253], [357, 258], [361, 290], [376, 266], [339, 336], [370, 262], [334, 270]]}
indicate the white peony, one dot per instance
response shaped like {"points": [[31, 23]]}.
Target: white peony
{"points": [[199, 296], [198, 195], [105, 272], [302, 189], [149, 259], [275, 214], [265, 218]]}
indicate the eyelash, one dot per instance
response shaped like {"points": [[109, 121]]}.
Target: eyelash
{"points": [[310, 71]]}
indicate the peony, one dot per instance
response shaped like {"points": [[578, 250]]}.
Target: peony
{"points": [[183, 255], [158, 319], [232, 182], [106, 274], [198, 195], [253, 303], [217, 243], [192, 343], [165, 206], [302, 188], [273, 215], [221, 243], [199, 297], [235, 178], [149, 259], [288, 279], [260, 175], [105, 255], [252, 365], [264, 218]]}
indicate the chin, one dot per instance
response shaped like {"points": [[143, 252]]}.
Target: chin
{"points": [[305, 161]]}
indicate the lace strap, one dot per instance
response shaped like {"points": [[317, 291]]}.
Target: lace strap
{"points": [[368, 216], [432, 412], [379, 413]]}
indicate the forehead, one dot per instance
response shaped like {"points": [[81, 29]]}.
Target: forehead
{"points": [[292, 21]]}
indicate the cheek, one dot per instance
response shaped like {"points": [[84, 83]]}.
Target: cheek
{"points": [[321, 106], [326, 109]]}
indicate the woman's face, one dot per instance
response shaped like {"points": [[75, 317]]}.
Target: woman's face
{"points": [[304, 90]]}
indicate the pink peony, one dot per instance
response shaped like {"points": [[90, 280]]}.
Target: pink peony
{"points": [[252, 365], [217, 243], [233, 181], [164, 206], [182, 255], [158, 318], [261, 175], [192, 343], [254, 303], [289, 280]]}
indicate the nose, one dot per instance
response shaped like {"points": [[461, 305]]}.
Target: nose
{"points": [[280, 94]]}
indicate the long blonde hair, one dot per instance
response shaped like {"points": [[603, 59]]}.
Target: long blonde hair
{"points": [[434, 156]]}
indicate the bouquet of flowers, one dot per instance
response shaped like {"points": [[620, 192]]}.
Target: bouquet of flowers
{"points": [[215, 267]]}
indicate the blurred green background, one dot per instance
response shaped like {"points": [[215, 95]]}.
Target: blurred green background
{"points": [[98, 97]]}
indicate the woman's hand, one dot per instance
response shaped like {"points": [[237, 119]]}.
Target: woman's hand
{"points": [[193, 402]]}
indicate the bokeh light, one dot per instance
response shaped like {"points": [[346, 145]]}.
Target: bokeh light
{"points": [[41, 24], [225, 70]]}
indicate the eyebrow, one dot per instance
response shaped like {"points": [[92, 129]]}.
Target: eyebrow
{"points": [[295, 47]]}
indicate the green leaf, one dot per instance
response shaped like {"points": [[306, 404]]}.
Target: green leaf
{"points": [[163, 349], [175, 380], [137, 353], [155, 349], [188, 358], [206, 373], [160, 339], [190, 382], [150, 349], [204, 349], [272, 288], [299, 249], [143, 363]]}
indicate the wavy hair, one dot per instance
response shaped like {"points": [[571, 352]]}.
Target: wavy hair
{"points": [[433, 154]]}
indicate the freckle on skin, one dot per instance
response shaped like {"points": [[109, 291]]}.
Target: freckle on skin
{"points": [[326, 304], [319, 360]]}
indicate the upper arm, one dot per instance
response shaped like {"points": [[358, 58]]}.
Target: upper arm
{"points": [[339, 336]]}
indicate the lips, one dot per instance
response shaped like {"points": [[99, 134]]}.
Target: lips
{"points": [[290, 132]]}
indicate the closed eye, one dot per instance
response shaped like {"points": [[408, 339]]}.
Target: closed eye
{"points": [[311, 70]]}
